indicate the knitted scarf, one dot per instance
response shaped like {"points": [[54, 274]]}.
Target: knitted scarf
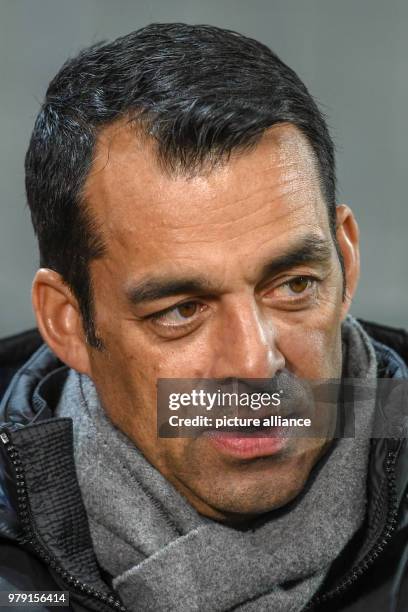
{"points": [[162, 555]]}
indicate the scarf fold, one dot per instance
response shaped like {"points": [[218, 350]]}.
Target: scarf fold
{"points": [[163, 556]]}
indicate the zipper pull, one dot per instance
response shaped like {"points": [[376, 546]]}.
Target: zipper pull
{"points": [[4, 438]]}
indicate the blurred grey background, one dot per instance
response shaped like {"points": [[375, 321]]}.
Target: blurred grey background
{"points": [[352, 55]]}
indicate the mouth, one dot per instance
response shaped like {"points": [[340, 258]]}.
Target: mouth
{"points": [[247, 443]]}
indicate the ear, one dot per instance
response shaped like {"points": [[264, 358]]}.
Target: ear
{"points": [[347, 233], [59, 319]]}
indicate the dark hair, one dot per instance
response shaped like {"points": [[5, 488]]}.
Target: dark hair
{"points": [[199, 91]]}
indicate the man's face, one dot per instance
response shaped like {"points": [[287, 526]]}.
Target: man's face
{"points": [[201, 280]]}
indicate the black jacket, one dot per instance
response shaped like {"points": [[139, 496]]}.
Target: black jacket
{"points": [[45, 543]]}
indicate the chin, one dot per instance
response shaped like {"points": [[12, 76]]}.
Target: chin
{"points": [[249, 500]]}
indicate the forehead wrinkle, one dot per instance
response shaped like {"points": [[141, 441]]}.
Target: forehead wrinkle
{"points": [[292, 184], [246, 231], [264, 206], [293, 180], [266, 194]]}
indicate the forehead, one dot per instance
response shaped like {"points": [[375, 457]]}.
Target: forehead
{"points": [[138, 205]]}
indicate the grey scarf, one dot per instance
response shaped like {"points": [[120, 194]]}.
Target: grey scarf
{"points": [[164, 556]]}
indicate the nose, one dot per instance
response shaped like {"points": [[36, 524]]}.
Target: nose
{"points": [[245, 346]]}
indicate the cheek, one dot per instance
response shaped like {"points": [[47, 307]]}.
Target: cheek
{"points": [[185, 358], [120, 371], [310, 340], [312, 349], [126, 380]]}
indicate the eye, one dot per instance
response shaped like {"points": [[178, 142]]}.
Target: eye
{"points": [[299, 285], [298, 290], [179, 315]]}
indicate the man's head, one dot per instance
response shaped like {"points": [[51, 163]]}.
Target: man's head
{"points": [[182, 187]]}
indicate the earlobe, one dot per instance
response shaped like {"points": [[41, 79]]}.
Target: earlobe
{"points": [[347, 233], [59, 319]]}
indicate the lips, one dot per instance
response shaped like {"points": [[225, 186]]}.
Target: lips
{"points": [[248, 444]]}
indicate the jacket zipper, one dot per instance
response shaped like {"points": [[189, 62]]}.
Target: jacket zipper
{"points": [[379, 546], [115, 604], [29, 536]]}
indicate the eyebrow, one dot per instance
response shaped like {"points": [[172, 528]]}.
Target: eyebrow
{"points": [[311, 249], [157, 289]]}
